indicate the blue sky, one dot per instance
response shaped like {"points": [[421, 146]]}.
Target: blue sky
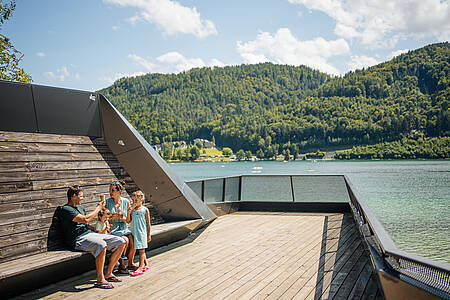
{"points": [[87, 44]]}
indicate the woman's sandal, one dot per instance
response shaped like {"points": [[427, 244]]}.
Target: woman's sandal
{"points": [[145, 269], [134, 274], [104, 285], [123, 271], [113, 279], [133, 268]]}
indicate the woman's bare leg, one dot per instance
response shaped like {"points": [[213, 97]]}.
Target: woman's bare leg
{"points": [[121, 262], [131, 252]]}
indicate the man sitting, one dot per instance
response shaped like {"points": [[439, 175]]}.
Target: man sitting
{"points": [[78, 236]]}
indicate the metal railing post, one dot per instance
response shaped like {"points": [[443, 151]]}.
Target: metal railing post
{"points": [[240, 188], [203, 190], [292, 190], [223, 189]]}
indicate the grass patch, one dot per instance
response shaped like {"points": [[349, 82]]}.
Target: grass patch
{"points": [[210, 152]]}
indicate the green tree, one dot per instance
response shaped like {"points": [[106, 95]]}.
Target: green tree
{"points": [[199, 145], [166, 150], [178, 153], [227, 151], [287, 154], [6, 9], [294, 151], [248, 155], [260, 154], [240, 155], [187, 154], [195, 152], [10, 57]]}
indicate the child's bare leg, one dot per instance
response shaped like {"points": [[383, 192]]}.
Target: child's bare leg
{"points": [[141, 260]]}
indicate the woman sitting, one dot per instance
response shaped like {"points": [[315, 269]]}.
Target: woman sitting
{"points": [[118, 206]]}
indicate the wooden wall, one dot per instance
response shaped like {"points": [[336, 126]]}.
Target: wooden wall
{"points": [[35, 171]]}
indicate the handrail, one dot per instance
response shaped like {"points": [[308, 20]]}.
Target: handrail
{"points": [[216, 178], [425, 273], [384, 240], [435, 275]]}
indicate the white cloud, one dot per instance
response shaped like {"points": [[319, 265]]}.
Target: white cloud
{"points": [[134, 19], [115, 28], [50, 75], [284, 48], [61, 74], [396, 53], [111, 79], [149, 66], [216, 63], [170, 16], [41, 54], [380, 23], [179, 62], [173, 62], [359, 62]]}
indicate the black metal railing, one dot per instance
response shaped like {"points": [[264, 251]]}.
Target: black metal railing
{"points": [[422, 272], [426, 274], [274, 188]]}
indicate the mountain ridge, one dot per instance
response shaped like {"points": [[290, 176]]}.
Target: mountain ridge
{"points": [[272, 107]]}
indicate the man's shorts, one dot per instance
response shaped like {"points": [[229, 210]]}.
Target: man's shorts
{"points": [[95, 242]]}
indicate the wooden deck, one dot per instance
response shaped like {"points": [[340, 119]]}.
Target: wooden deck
{"points": [[248, 256]]}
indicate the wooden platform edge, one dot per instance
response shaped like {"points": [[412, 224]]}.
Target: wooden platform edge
{"points": [[17, 283]]}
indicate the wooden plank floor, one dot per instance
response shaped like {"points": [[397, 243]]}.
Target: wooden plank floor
{"points": [[248, 256]]}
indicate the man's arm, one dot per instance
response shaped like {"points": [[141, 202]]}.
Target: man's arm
{"points": [[89, 217]]}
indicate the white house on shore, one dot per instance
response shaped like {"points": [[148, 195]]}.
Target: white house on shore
{"points": [[181, 144], [206, 144]]}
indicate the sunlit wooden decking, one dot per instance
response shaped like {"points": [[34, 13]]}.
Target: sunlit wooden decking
{"points": [[248, 256]]}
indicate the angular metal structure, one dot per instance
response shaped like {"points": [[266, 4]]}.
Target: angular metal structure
{"points": [[173, 198], [41, 109]]}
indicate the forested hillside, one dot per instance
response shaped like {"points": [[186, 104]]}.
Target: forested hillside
{"points": [[268, 108]]}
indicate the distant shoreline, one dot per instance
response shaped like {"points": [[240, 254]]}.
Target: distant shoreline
{"points": [[309, 160]]}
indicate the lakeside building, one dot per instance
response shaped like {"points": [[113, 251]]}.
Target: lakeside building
{"points": [[206, 144]]}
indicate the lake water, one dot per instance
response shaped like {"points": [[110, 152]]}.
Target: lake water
{"points": [[410, 198]]}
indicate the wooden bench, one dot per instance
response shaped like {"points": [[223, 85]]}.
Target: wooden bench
{"points": [[35, 171]]}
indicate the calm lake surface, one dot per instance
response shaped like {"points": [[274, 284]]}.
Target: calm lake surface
{"points": [[410, 198]]}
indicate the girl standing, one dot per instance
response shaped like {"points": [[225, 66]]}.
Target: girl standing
{"points": [[119, 206], [139, 219]]}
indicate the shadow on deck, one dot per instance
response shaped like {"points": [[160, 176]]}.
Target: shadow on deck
{"points": [[249, 256]]}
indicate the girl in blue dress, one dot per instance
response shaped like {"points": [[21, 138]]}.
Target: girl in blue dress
{"points": [[139, 219], [118, 206]]}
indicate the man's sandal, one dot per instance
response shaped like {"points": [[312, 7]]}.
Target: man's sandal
{"points": [[104, 285]]}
